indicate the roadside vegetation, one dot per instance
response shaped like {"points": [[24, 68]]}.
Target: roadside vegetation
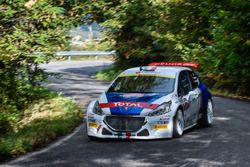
{"points": [[30, 33], [213, 33], [44, 120], [108, 74]]}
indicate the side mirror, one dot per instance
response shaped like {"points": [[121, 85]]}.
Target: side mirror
{"points": [[196, 83]]}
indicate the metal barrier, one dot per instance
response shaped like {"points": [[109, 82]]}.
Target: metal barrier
{"points": [[84, 53]]}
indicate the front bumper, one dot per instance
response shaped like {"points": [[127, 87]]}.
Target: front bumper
{"points": [[129, 127]]}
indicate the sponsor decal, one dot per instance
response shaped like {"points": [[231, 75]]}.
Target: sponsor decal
{"points": [[185, 106], [128, 104], [162, 122], [93, 125], [148, 68], [164, 118], [90, 115], [128, 95], [185, 64], [148, 75], [160, 126], [99, 127], [91, 120]]}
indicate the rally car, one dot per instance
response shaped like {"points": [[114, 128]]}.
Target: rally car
{"points": [[160, 100]]}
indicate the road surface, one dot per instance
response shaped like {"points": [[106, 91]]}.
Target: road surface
{"points": [[226, 143]]}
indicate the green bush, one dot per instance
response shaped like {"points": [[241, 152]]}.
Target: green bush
{"points": [[212, 33], [30, 33], [40, 124], [108, 74]]}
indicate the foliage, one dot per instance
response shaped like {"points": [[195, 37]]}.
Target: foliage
{"points": [[51, 117], [108, 74], [93, 45], [213, 33], [27, 27], [134, 28], [230, 49]]}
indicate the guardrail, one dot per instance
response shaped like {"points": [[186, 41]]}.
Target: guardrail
{"points": [[84, 53]]}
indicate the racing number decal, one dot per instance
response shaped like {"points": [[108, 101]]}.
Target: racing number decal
{"points": [[185, 106]]}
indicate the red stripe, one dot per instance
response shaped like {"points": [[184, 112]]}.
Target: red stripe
{"points": [[185, 64], [128, 104], [128, 135]]}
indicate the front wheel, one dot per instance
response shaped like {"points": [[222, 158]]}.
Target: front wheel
{"points": [[178, 124], [207, 117]]}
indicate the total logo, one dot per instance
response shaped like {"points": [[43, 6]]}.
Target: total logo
{"points": [[127, 104]]}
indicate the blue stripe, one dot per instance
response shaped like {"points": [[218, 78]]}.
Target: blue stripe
{"points": [[205, 95], [128, 97]]}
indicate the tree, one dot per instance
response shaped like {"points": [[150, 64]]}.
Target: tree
{"points": [[136, 28], [230, 49], [27, 27], [213, 33]]}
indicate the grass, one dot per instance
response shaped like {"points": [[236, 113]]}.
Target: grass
{"points": [[107, 74], [41, 123]]}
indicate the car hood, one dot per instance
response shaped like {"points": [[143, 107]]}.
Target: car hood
{"points": [[130, 103]]}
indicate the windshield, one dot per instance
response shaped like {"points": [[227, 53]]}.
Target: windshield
{"points": [[143, 84]]}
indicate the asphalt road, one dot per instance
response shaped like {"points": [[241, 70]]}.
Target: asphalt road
{"points": [[226, 143]]}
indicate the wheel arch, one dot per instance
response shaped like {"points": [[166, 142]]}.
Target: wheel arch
{"points": [[182, 111]]}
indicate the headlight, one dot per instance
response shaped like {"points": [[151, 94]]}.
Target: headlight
{"points": [[97, 110], [162, 109]]}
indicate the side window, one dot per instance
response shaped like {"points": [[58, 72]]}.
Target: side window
{"points": [[183, 84], [193, 79]]}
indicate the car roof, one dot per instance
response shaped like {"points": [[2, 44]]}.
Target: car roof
{"points": [[170, 71]]}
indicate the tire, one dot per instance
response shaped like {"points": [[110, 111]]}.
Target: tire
{"points": [[178, 127], [207, 117]]}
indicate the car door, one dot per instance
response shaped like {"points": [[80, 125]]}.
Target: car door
{"points": [[194, 96], [184, 89]]}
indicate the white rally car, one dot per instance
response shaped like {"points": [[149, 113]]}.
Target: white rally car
{"points": [[151, 102]]}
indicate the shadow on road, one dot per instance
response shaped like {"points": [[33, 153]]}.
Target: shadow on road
{"points": [[89, 70], [77, 83]]}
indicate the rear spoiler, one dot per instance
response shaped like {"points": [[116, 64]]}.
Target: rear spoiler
{"points": [[181, 64]]}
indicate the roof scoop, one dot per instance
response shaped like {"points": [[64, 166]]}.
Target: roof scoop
{"points": [[148, 68]]}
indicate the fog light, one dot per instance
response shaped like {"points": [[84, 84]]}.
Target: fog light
{"points": [[106, 132], [143, 133]]}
